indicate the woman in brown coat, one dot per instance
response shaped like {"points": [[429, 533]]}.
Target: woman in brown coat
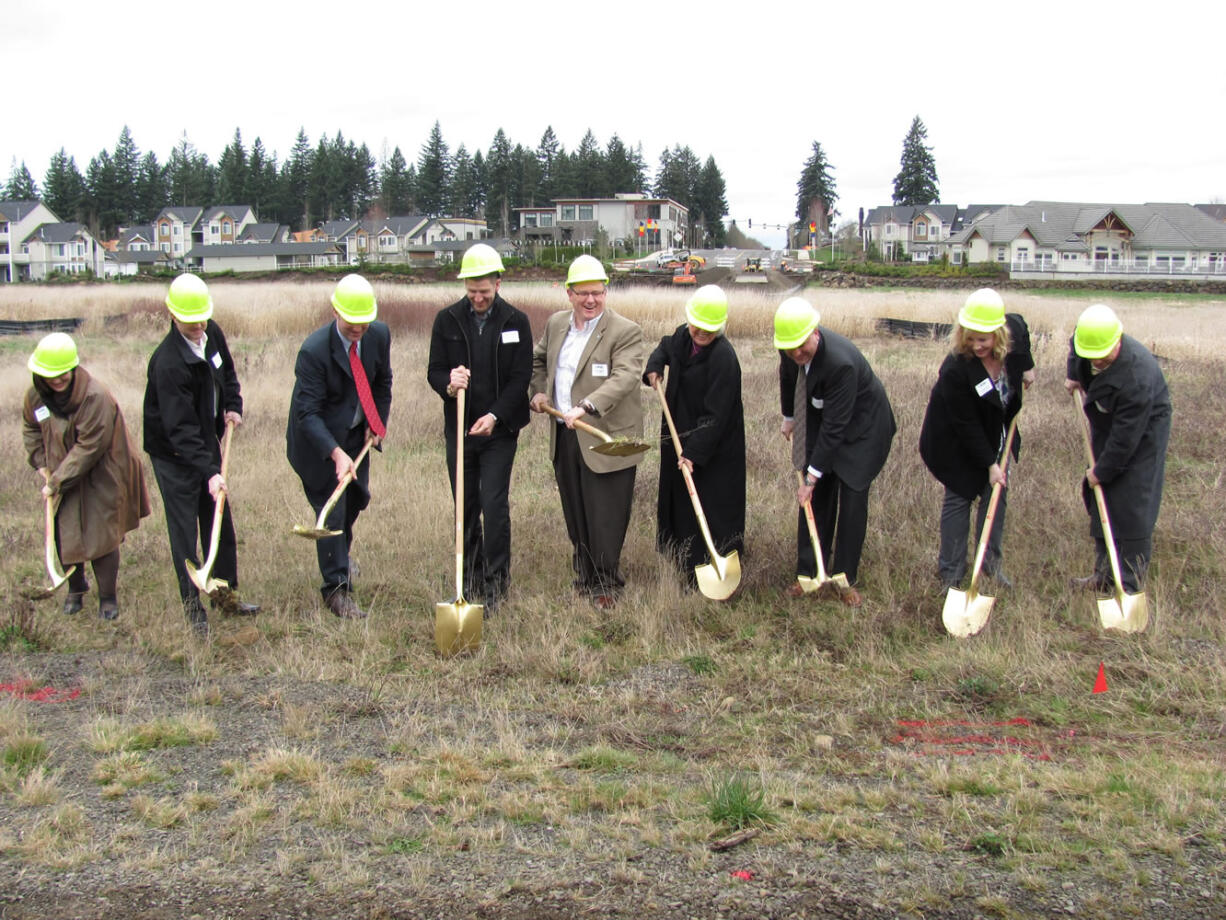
{"points": [[75, 436]]}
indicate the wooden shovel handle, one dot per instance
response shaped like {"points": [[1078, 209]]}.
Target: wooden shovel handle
{"points": [[817, 545], [685, 474], [582, 426], [344, 483], [1100, 499], [459, 495], [990, 517], [215, 538]]}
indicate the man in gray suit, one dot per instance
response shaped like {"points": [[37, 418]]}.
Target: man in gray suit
{"points": [[588, 364], [840, 433]]}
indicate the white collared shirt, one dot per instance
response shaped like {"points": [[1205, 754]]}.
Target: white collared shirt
{"points": [[198, 350], [568, 361]]}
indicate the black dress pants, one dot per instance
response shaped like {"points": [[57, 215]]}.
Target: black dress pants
{"points": [[189, 510]]}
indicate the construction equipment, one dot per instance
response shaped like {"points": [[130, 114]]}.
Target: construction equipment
{"points": [[613, 447], [1125, 612], [966, 612], [720, 577], [752, 272], [457, 623]]}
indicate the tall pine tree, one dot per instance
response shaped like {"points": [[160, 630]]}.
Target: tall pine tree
{"points": [[433, 174], [815, 191], [916, 182], [64, 187]]}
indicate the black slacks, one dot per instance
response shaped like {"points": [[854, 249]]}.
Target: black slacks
{"points": [[841, 515], [487, 513], [189, 509]]}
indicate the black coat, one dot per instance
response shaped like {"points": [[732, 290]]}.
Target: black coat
{"points": [[325, 400], [850, 425], [704, 397], [965, 423], [1129, 408], [183, 421], [509, 371]]}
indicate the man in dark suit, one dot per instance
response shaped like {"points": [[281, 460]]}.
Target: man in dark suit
{"points": [[588, 364], [847, 427], [1129, 409], [342, 396], [191, 393], [483, 345]]}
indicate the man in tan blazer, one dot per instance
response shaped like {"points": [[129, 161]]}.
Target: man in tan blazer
{"points": [[588, 365]]}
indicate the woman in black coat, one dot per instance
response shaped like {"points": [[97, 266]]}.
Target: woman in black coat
{"points": [[977, 394], [703, 391]]}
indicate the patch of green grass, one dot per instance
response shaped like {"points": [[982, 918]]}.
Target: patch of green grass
{"points": [[604, 759], [989, 843], [14, 638], [401, 846], [699, 664], [737, 801], [22, 753]]}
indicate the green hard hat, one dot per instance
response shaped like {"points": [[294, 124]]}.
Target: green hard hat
{"points": [[707, 308], [795, 321], [1098, 331], [586, 268], [983, 311], [354, 300], [189, 299], [480, 260], [56, 354]]}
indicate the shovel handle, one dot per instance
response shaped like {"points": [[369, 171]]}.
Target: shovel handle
{"points": [[990, 517], [716, 559], [582, 426], [207, 568], [344, 483], [459, 495], [1101, 500], [817, 546]]}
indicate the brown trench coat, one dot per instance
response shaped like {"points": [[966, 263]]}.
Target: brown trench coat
{"points": [[94, 466]]}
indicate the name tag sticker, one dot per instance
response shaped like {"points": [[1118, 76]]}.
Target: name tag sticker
{"points": [[984, 386], [600, 370], [41, 414], [510, 336], [217, 360], [818, 403]]}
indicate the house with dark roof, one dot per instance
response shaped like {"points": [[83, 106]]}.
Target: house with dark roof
{"points": [[265, 233], [136, 239], [917, 233], [257, 257], [1061, 236], [223, 223], [17, 220], [68, 248], [173, 228], [123, 262]]}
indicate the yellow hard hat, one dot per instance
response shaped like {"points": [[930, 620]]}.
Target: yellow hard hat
{"points": [[480, 260], [707, 308], [354, 300], [795, 321], [54, 355], [983, 311], [586, 268], [1098, 331], [188, 299]]}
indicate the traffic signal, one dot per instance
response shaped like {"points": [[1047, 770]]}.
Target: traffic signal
{"points": [[812, 226], [751, 223]]}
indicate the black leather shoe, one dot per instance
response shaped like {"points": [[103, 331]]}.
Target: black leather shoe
{"points": [[108, 609], [73, 603]]}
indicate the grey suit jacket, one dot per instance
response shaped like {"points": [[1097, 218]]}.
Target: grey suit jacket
{"points": [[615, 350]]}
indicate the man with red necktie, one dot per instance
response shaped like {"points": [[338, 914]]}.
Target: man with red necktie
{"points": [[342, 396]]}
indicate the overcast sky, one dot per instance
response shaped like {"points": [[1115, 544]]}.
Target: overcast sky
{"points": [[1044, 100]]}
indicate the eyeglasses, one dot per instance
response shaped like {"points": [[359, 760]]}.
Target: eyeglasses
{"points": [[584, 295]]}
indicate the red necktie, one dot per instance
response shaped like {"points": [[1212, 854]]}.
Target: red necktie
{"points": [[364, 396]]}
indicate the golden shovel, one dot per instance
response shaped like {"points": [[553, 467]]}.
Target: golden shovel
{"points": [[457, 624], [203, 578], [809, 585], [1125, 612], [613, 447], [319, 531], [720, 577], [58, 575], [966, 612]]}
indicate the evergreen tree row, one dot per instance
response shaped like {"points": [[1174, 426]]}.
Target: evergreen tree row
{"points": [[338, 179]]}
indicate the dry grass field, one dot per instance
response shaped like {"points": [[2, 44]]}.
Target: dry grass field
{"points": [[584, 763]]}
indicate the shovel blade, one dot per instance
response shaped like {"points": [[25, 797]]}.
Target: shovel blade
{"points": [[621, 447], [965, 613], [712, 585], [457, 627], [1126, 612], [57, 579], [315, 533], [807, 584], [199, 579], [840, 581]]}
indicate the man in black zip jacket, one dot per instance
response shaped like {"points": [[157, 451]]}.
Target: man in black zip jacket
{"points": [[191, 393], [483, 345]]}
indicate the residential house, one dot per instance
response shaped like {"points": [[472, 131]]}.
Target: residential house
{"points": [[136, 239], [134, 261], [173, 229], [917, 232], [662, 221], [17, 220], [1155, 238], [223, 223], [265, 233], [255, 257], [67, 248]]}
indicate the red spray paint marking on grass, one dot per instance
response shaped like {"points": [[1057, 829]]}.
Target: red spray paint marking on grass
{"points": [[968, 745], [27, 691]]}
